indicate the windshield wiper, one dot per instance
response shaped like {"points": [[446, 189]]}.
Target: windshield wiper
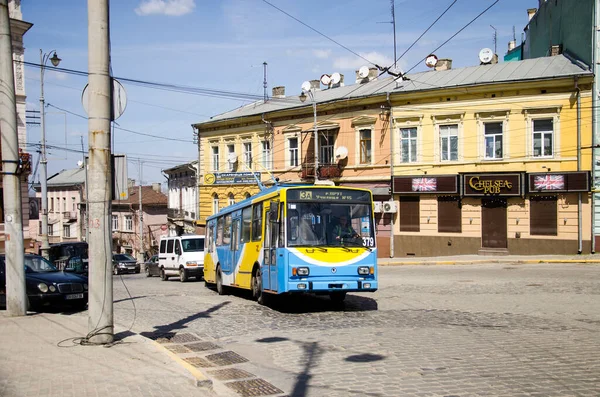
{"points": [[357, 244]]}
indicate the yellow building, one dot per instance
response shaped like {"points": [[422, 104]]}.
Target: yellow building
{"points": [[491, 157]]}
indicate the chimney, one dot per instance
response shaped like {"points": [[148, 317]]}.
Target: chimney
{"points": [[279, 92], [373, 72], [512, 45], [130, 183], [315, 84], [531, 12], [443, 64], [156, 187], [555, 50]]}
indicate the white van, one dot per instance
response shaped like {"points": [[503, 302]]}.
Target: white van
{"points": [[181, 256]]}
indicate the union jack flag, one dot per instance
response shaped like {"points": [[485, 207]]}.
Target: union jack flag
{"points": [[549, 182], [424, 184]]}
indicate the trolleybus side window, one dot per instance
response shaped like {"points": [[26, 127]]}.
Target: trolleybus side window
{"points": [[257, 215], [227, 230], [246, 222], [220, 222], [210, 236]]}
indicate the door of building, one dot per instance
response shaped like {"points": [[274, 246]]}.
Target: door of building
{"points": [[493, 223]]}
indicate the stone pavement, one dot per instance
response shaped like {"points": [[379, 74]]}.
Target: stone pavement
{"points": [[484, 259], [39, 356]]}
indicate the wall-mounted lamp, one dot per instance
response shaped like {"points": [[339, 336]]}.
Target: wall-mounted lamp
{"points": [[518, 220], [422, 170], [565, 221], [546, 168], [428, 218], [471, 220]]}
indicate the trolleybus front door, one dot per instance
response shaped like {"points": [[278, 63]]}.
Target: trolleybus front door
{"points": [[235, 247], [269, 273]]}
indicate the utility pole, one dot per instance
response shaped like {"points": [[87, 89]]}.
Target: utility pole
{"points": [[100, 321], [16, 299], [394, 28], [84, 219], [141, 216]]}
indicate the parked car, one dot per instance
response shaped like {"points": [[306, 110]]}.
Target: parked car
{"points": [[151, 267], [125, 263], [46, 285], [71, 256]]}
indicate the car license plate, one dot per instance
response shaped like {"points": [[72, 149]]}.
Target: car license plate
{"points": [[74, 296]]}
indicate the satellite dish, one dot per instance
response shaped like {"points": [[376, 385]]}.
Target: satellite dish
{"points": [[341, 152], [306, 86], [80, 164], [325, 79], [336, 78], [232, 157], [486, 55], [363, 72], [431, 61]]}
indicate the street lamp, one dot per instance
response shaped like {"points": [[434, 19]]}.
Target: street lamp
{"points": [[310, 91], [44, 173]]}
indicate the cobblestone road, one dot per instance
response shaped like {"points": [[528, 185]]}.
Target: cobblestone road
{"points": [[482, 330]]}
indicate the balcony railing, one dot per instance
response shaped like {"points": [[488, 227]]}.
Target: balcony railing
{"points": [[177, 214], [325, 171]]}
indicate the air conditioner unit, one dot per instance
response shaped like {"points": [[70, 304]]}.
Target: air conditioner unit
{"points": [[389, 207], [377, 205]]}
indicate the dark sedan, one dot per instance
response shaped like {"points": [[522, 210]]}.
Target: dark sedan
{"points": [[125, 263], [151, 267], [48, 286]]}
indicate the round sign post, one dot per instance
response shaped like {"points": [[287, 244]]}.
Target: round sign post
{"points": [[119, 96]]}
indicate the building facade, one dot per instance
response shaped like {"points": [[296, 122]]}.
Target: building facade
{"points": [[126, 217], [182, 198]]}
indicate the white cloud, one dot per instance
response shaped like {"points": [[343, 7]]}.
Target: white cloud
{"points": [[323, 54], [354, 62], [173, 8]]}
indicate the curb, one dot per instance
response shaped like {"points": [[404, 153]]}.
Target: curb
{"points": [[477, 262], [200, 379]]}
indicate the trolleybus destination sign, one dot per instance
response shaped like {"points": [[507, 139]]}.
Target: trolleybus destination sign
{"points": [[328, 195]]}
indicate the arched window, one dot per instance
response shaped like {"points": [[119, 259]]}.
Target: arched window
{"points": [[231, 199], [247, 195], [215, 199]]}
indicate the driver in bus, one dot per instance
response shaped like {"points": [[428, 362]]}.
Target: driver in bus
{"points": [[343, 229]]}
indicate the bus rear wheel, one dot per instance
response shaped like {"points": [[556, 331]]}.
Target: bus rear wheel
{"points": [[220, 286]]}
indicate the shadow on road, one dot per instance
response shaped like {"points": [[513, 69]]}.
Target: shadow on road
{"points": [[169, 330]]}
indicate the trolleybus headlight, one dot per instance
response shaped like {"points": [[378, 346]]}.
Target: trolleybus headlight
{"points": [[363, 270], [367, 285], [302, 271], [301, 286]]}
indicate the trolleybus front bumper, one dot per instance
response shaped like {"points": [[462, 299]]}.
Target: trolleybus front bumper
{"points": [[331, 286]]}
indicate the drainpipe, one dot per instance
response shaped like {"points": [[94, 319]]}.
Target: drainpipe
{"points": [[390, 118], [594, 121], [579, 227]]}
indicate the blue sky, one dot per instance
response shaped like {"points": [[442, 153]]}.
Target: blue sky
{"points": [[221, 44]]}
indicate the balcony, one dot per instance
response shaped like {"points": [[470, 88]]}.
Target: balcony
{"points": [[70, 215], [327, 171]]}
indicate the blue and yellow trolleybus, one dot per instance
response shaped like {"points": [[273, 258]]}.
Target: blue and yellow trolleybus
{"points": [[292, 238]]}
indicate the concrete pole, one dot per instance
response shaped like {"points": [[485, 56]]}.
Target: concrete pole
{"points": [[16, 298], [100, 321], [141, 216], [44, 162], [316, 135]]}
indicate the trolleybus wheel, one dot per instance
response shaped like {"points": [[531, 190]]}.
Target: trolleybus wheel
{"points": [[220, 287], [257, 289]]}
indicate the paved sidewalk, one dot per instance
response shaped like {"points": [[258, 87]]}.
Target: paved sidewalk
{"points": [[34, 362], [483, 259]]}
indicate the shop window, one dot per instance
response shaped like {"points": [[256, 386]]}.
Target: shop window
{"points": [[449, 215], [409, 214], [543, 215]]}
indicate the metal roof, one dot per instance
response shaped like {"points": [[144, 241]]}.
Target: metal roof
{"points": [[72, 177], [546, 68]]}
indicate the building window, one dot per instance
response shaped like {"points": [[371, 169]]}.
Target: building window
{"points": [[543, 215], [50, 230], [40, 230], [493, 140], [231, 199], [231, 159], [449, 142], [365, 146], [215, 203], [293, 151], [115, 222], [248, 154], [326, 145], [449, 215], [64, 204], [247, 195], [74, 204], [543, 132], [66, 230], [51, 204], [409, 214], [215, 158], [266, 154], [408, 144], [129, 223]]}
